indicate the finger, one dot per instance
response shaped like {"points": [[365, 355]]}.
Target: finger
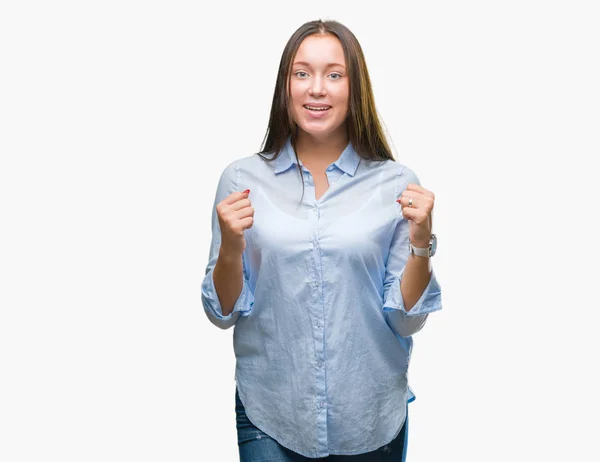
{"points": [[415, 215], [235, 196], [418, 199], [239, 205], [247, 222], [419, 189], [244, 213], [405, 199]]}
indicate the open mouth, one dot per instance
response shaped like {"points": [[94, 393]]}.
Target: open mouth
{"points": [[317, 109]]}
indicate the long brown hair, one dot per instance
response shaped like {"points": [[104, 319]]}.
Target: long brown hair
{"points": [[364, 128]]}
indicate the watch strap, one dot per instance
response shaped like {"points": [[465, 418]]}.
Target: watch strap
{"points": [[419, 251], [427, 252]]}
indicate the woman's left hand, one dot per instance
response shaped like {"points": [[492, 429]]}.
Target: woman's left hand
{"points": [[418, 213]]}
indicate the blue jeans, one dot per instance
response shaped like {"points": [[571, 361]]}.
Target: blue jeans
{"points": [[256, 446]]}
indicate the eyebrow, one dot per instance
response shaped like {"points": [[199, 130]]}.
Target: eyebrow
{"points": [[303, 63]]}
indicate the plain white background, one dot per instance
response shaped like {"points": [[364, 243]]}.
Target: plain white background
{"points": [[116, 119]]}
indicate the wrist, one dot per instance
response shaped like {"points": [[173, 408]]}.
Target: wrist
{"points": [[423, 250]]}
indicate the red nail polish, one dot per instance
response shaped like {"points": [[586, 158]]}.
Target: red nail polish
{"points": [[246, 191]]}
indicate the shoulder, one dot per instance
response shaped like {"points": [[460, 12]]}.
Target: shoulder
{"points": [[393, 169], [245, 162], [241, 165]]}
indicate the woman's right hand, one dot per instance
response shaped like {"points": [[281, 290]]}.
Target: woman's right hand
{"points": [[235, 214]]}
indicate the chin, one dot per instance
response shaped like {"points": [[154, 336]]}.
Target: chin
{"points": [[318, 130]]}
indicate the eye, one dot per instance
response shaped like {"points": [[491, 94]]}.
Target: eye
{"points": [[304, 74], [335, 76]]}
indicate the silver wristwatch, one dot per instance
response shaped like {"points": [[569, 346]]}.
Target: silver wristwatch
{"points": [[426, 251]]}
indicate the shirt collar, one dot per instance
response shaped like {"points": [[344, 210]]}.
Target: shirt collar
{"points": [[347, 162]]}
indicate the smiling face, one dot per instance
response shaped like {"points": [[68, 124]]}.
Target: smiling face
{"points": [[319, 87]]}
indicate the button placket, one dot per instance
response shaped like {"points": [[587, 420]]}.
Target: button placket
{"points": [[317, 301]]}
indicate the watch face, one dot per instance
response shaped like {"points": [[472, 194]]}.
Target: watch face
{"points": [[433, 244]]}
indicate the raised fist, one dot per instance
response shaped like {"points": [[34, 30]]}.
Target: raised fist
{"points": [[235, 214]]}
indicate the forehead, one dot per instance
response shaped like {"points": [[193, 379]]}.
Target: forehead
{"points": [[319, 49]]}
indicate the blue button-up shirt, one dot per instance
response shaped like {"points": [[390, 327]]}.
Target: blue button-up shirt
{"points": [[322, 339]]}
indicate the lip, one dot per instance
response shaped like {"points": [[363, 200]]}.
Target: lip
{"points": [[317, 105], [317, 114]]}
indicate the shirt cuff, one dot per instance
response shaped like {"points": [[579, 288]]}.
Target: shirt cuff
{"points": [[212, 306], [430, 300]]}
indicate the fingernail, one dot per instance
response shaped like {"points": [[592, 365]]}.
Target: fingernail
{"points": [[246, 191], [398, 200]]}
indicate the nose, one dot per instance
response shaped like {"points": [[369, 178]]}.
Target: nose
{"points": [[317, 87]]}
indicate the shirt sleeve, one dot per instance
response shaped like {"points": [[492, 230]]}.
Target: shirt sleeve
{"points": [[210, 300], [406, 323]]}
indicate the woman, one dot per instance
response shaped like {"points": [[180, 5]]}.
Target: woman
{"points": [[310, 261]]}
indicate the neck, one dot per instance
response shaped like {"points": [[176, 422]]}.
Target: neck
{"points": [[312, 150]]}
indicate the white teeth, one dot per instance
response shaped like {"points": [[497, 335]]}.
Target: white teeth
{"points": [[317, 108]]}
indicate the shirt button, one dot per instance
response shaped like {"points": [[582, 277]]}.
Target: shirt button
{"points": [[330, 168], [318, 324], [319, 363], [321, 404]]}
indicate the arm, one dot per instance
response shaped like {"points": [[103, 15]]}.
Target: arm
{"points": [[225, 292], [228, 279], [415, 279], [411, 290]]}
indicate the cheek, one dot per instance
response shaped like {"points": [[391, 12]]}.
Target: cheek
{"points": [[296, 92], [294, 102], [341, 93], [342, 99]]}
